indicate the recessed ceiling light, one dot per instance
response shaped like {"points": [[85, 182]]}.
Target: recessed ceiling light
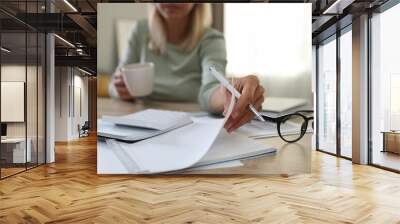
{"points": [[65, 41], [5, 50], [84, 71], [70, 5]]}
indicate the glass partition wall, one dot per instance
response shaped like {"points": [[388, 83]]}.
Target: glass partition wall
{"points": [[346, 95], [385, 89], [22, 77], [334, 89], [334, 104], [327, 95]]}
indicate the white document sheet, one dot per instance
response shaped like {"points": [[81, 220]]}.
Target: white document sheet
{"points": [[233, 146], [141, 125], [174, 150], [181, 150]]}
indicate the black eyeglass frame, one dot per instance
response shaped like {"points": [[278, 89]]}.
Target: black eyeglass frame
{"points": [[279, 120]]}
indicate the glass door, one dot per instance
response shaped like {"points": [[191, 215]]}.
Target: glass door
{"points": [[22, 77], [15, 151]]}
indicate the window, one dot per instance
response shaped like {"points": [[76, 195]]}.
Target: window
{"points": [[258, 43], [395, 102], [327, 96], [254, 49], [335, 74], [385, 89], [346, 93]]}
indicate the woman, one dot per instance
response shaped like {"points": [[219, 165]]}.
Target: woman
{"points": [[179, 40]]}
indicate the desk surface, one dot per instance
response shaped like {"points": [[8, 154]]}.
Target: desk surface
{"points": [[289, 159]]}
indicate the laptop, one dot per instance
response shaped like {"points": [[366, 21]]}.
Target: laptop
{"points": [[282, 104]]}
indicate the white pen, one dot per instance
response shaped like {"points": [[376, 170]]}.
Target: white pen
{"points": [[232, 89]]}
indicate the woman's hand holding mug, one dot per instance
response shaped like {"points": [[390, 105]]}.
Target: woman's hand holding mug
{"points": [[120, 86], [134, 80]]}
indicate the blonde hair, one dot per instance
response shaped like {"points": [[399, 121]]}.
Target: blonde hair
{"points": [[200, 19]]}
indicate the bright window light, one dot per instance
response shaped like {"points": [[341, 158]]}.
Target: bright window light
{"points": [[5, 50], [386, 69], [268, 39], [395, 102]]}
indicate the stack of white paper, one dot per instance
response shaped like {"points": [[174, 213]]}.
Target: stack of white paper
{"points": [[141, 125], [152, 119], [196, 145]]}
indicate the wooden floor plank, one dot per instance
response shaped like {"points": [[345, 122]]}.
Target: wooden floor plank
{"points": [[70, 191]]}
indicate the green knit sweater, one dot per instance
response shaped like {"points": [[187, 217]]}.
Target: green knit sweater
{"points": [[179, 76]]}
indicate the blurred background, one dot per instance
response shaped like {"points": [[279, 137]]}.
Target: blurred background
{"points": [[255, 42]]}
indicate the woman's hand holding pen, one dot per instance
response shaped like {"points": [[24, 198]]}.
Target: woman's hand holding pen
{"points": [[252, 93], [120, 86]]}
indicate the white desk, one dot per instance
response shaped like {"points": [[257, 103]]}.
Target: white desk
{"points": [[289, 159], [18, 149]]}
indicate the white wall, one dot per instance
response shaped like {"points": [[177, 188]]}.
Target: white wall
{"points": [[81, 103], [61, 103], [107, 15], [12, 101], [273, 41], [14, 73], [69, 82], [82, 82], [17, 73]]}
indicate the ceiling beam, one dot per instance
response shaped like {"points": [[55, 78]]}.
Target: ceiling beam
{"points": [[84, 24], [77, 61], [320, 22], [337, 7]]}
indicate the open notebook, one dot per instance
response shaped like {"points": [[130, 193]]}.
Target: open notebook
{"points": [[141, 125]]}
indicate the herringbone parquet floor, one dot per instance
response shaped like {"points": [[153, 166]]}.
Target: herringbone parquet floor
{"points": [[69, 191]]}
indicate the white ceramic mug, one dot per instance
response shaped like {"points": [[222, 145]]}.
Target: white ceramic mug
{"points": [[138, 78]]}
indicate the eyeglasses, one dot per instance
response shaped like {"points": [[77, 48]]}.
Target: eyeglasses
{"points": [[292, 127]]}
